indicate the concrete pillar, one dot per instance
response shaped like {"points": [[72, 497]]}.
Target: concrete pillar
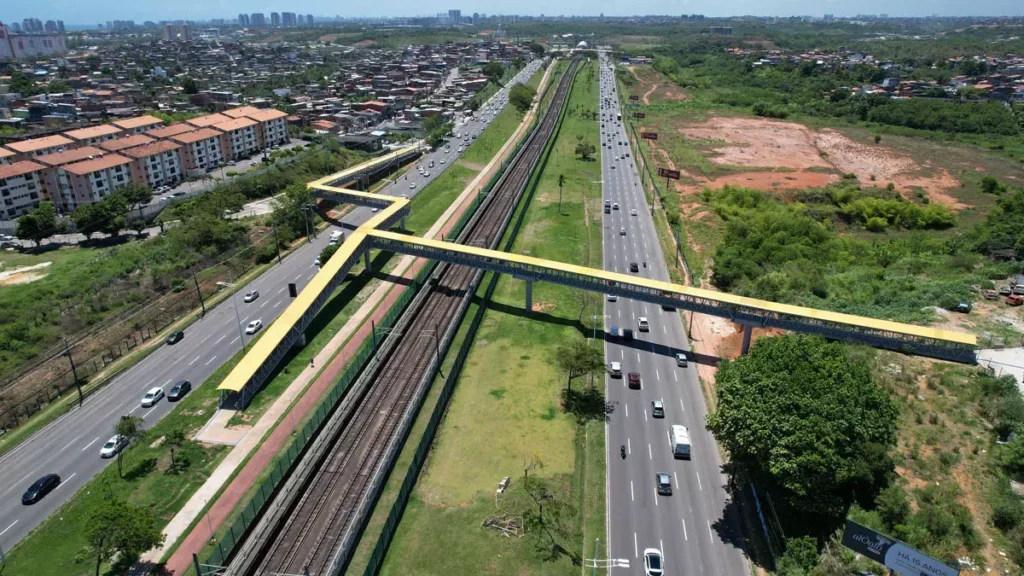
{"points": [[529, 295], [366, 261], [747, 329], [401, 224]]}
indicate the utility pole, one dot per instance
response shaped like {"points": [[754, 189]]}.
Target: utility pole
{"points": [[74, 372], [238, 321], [277, 243], [200, 293]]}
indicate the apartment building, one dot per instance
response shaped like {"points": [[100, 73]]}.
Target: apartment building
{"points": [[272, 129], [6, 156], [157, 164], [239, 139], [201, 149], [126, 142], [92, 180], [139, 124], [28, 149], [20, 188], [208, 120], [51, 164], [169, 131], [93, 135]]}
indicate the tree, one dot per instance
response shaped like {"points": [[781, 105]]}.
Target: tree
{"points": [[536, 48], [189, 85], [175, 440], [493, 70], [800, 558], [121, 530], [990, 185], [518, 62], [432, 123], [327, 252], [806, 419], [585, 150], [135, 195], [521, 96], [39, 224], [561, 181], [129, 428], [106, 216], [578, 358]]}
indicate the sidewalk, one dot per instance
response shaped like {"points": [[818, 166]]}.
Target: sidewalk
{"points": [[355, 331]]}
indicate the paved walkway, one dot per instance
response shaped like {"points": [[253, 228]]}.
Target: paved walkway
{"points": [[355, 331]]}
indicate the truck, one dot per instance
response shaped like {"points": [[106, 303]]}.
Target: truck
{"points": [[679, 440], [336, 236]]}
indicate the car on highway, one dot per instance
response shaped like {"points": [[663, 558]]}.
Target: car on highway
{"points": [[681, 360], [634, 267], [254, 327], [152, 397], [615, 369], [634, 380], [633, 212], [442, 160], [251, 295], [615, 206], [643, 324], [622, 231], [113, 446], [316, 261], [653, 565], [664, 483], [178, 391], [658, 408], [254, 163], [175, 337], [612, 297], [40, 488], [412, 186]]}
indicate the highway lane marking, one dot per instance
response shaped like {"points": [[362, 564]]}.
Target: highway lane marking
{"points": [[203, 341], [264, 303], [194, 360], [210, 360], [278, 303], [107, 415], [132, 411], [245, 320], [657, 375], [681, 407], [631, 495], [664, 330], [676, 378], [72, 442], [698, 481], [148, 413], [645, 414], [281, 290], [221, 338], [626, 406], [150, 382], [622, 353], [676, 476], [636, 553], [710, 533], [299, 277], [655, 496], [685, 537], [310, 277], [90, 444], [629, 447], [236, 339], [637, 356], [650, 454], [9, 527], [65, 481]]}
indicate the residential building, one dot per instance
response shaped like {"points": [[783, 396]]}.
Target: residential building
{"points": [[288, 18], [156, 164], [275, 19], [177, 32], [208, 120], [139, 124], [202, 149], [257, 20], [273, 127], [15, 46], [20, 188], [243, 20], [172, 130], [455, 17], [93, 180], [33, 147], [6, 156], [126, 142], [52, 162], [240, 139], [93, 135]]}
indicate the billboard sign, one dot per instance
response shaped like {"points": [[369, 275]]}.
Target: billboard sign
{"points": [[639, 115], [649, 135], [891, 553], [666, 173]]}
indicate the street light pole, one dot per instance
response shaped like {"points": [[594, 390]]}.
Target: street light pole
{"points": [[234, 300], [277, 243], [74, 372], [200, 293]]}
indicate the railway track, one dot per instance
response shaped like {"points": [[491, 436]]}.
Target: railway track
{"points": [[313, 532]]}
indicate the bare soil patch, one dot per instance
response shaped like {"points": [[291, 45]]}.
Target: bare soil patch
{"points": [[759, 142], [24, 275], [775, 180]]}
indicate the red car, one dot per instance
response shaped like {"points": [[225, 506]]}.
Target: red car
{"points": [[634, 380]]}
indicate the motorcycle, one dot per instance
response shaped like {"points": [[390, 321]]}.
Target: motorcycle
{"points": [[622, 449]]}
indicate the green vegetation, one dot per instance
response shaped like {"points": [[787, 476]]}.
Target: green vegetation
{"points": [[512, 426], [521, 96], [123, 532]]}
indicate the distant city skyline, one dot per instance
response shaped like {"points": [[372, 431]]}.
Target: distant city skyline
{"points": [[77, 14]]}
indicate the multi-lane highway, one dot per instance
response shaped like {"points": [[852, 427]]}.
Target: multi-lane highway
{"points": [[71, 446], [695, 528]]}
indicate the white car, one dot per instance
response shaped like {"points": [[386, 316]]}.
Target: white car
{"points": [[113, 446], [653, 565], [412, 186], [643, 324], [633, 212], [612, 297], [442, 160], [250, 296], [622, 231], [152, 397], [254, 327]]}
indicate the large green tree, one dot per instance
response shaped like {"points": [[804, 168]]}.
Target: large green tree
{"points": [[521, 96], [493, 70], [806, 419], [577, 358], [123, 531], [106, 216], [129, 428], [39, 224]]}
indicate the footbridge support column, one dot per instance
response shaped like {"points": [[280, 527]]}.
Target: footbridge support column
{"points": [[366, 261], [747, 330], [529, 295], [401, 224]]}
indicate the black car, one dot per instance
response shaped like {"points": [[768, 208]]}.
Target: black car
{"points": [[178, 391], [175, 337], [40, 488], [664, 483], [634, 267]]}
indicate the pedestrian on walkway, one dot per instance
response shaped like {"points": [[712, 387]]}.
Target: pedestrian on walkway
{"points": [[311, 363]]}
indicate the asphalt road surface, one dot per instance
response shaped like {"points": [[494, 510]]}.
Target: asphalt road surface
{"points": [[71, 446], [695, 527]]}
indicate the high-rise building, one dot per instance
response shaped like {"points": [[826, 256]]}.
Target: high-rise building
{"points": [[288, 18], [14, 46], [455, 16], [15, 27], [275, 19], [60, 26], [177, 32], [243, 20], [32, 25], [50, 27], [257, 20], [309, 19]]}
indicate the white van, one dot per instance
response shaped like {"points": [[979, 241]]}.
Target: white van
{"points": [[679, 440], [336, 236]]}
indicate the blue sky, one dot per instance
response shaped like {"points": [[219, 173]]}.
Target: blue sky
{"points": [[91, 12]]}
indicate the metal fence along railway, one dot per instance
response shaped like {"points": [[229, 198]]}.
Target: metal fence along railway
{"points": [[319, 529]]}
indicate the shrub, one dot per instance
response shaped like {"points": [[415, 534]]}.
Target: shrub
{"points": [[876, 224]]}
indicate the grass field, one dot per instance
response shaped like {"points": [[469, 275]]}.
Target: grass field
{"points": [[506, 409]]}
